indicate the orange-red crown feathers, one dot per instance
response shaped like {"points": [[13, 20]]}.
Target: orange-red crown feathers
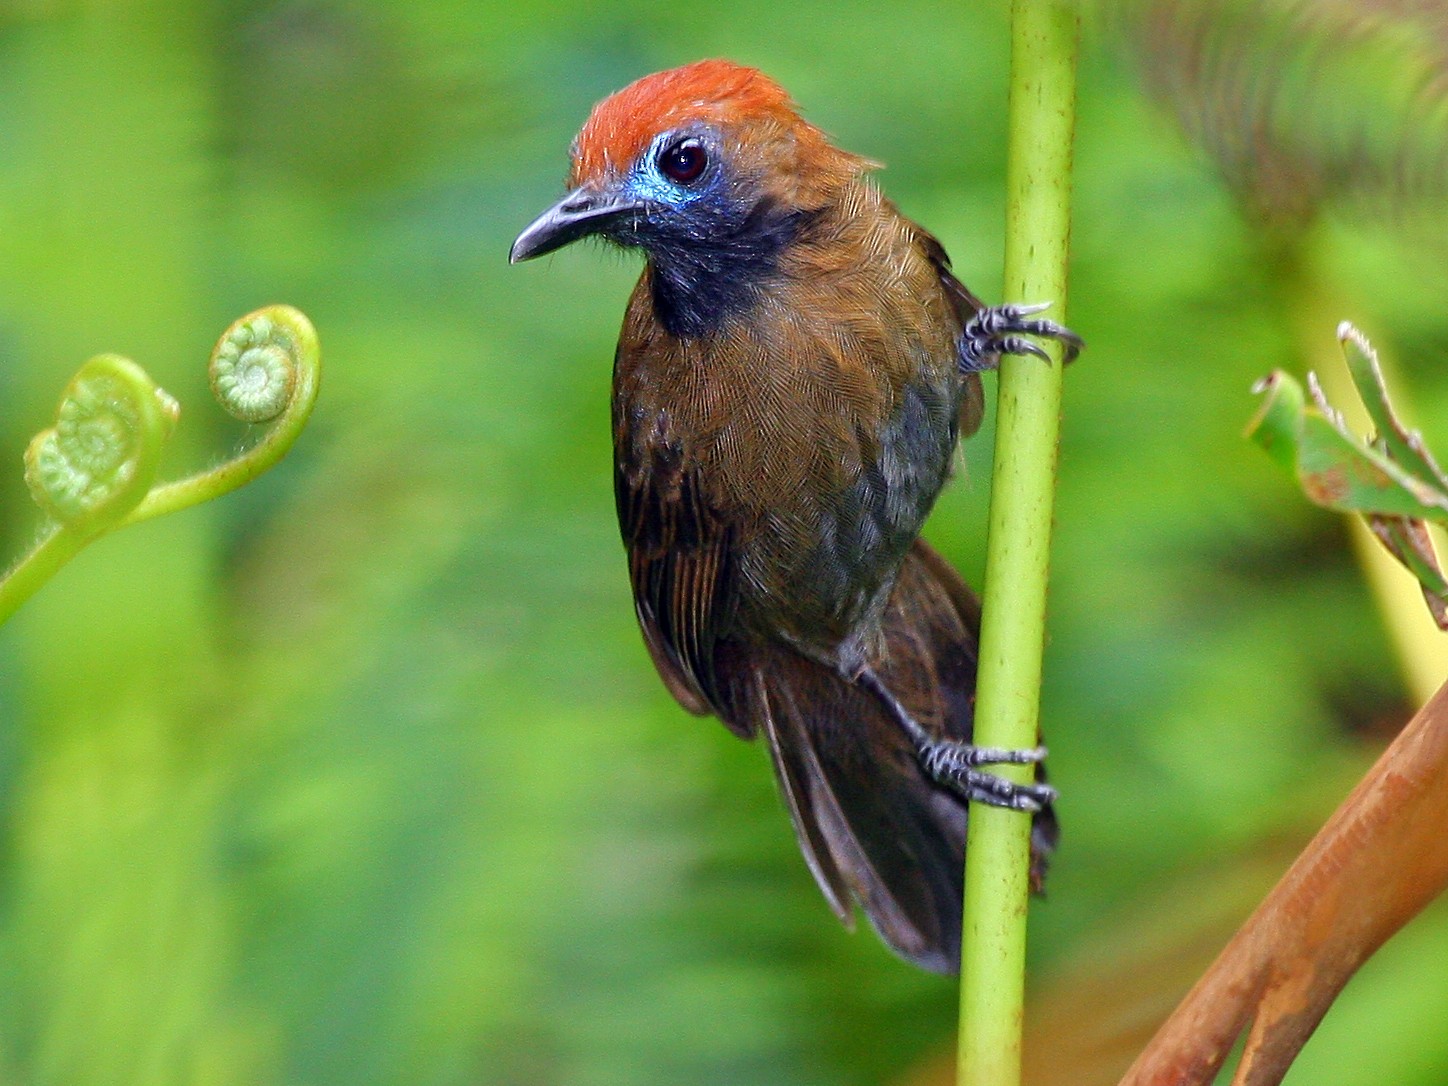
{"points": [[717, 91]]}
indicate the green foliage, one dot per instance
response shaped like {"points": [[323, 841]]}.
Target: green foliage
{"points": [[1390, 479], [362, 775]]}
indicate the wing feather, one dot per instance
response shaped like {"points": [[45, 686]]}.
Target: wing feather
{"points": [[680, 563], [963, 305]]}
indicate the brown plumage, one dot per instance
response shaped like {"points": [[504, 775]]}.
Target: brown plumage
{"points": [[795, 367]]}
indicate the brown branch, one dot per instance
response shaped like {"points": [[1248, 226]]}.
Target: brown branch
{"points": [[1379, 860]]}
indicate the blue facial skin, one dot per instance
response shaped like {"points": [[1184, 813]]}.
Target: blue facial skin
{"points": [[647, 181], [713, 243]]}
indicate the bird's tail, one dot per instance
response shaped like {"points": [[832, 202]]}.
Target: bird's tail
{"points": [[873, 827]]}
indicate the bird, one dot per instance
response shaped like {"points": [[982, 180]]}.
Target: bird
{"points": [[796, 365]]}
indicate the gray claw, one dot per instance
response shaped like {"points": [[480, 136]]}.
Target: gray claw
{"points": [[1027, 310], [1017, 345], [954, 764], [1000, 330], [999, 792], [1005, 756]]}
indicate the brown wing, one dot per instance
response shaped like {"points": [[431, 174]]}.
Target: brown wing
{"points": [[681, 549], [680, 563], [965, 305]]}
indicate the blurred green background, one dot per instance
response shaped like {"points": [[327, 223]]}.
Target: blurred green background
{"points": [[362, 775]]}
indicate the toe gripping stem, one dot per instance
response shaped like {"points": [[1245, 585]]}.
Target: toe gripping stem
{"points": [[1001, 330], [956, 764]]}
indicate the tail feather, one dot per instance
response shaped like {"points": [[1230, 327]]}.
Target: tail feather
{"points": [[873, 827], [798, 773]]}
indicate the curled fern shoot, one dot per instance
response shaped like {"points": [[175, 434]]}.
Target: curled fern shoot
{"points": [[100, 458], [266, 368], [95, 469]]}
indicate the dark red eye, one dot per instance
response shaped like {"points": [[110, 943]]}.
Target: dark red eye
{"points": [[684, 161]]}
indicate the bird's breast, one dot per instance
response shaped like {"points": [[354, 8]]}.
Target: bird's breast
{"points": [[821, 447]]}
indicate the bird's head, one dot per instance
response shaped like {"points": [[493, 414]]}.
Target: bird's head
{"points": [[697, 165]]}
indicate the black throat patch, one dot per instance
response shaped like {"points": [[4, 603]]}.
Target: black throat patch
{"points": [[708, 269]]}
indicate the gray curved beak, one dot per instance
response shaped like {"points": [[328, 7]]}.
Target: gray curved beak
{"points": [[580, 213]]}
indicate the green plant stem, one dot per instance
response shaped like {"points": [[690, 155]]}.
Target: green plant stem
{"points": [[235, 473], [1038, 184], [53, 551]]}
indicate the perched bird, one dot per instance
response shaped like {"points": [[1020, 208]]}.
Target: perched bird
{"points": [[796, 365]]}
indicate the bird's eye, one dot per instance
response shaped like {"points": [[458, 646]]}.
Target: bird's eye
{"points": [[684, 161]]}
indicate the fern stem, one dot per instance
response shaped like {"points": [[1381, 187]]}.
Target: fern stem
{"points": [[1038, 183]]}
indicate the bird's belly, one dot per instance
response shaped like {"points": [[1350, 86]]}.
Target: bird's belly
{"points": [[822, 592], [819, 567]]}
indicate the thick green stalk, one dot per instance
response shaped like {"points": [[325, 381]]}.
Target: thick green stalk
{"points": [[1038, 184]]}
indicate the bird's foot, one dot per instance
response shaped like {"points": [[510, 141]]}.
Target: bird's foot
{"points": [[1002, 330], [957, 764]]}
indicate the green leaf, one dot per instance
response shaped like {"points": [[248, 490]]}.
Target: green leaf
{"points": [[1389, 478]]}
